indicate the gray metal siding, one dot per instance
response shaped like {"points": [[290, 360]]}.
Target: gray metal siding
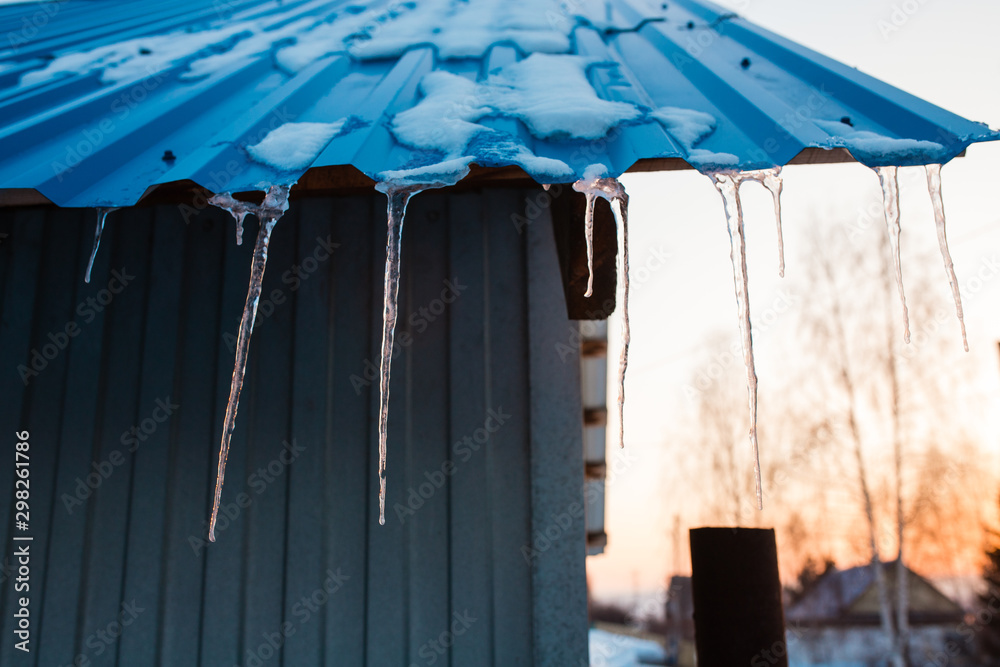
{"points": [[163, 339]]}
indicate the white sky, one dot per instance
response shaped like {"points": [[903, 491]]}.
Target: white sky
{"points": [[947, 53]]}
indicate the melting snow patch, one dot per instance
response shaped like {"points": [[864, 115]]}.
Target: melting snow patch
{"points": [[456, 28], [257, 43], [294, 146], [462, 29], [594, 172], [876, 149], [138, 58], [550, 94], [706, 161], [500, 149], [686, 125], [549, 168], [206, 51], [554, 98], [444, 120], [323, 40], [441, 174]]}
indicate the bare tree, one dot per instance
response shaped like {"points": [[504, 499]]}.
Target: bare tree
{"points": [[876, 413], [720, 435], [902, 635], [855, 322], [840, 361], [950, 504]]}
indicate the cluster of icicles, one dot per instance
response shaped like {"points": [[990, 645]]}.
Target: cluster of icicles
{"points": [[726, 182]]}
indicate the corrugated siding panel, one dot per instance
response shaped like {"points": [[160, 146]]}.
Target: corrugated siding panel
{"points": [[462, 375], [81, 142]]}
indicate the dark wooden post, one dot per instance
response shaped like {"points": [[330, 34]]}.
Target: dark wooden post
{"points": [[738, 616]]}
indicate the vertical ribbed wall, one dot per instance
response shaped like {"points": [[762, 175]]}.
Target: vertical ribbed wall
{"points": [[461, 506]]}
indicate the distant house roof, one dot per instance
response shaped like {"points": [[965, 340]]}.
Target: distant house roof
{"points": [[850, 597], [101, 100]]}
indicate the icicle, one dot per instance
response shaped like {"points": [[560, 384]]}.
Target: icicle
{"points": [[239, 225], [621, 211], [728, 185], [102, 214], [588, 230], [269, 212], [771, 179], [398, 199], [238, 209], [399, 187], [887, 176], [611, 190], [934, 187]]}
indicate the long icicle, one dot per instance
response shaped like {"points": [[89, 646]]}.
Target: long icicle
{"points": [[275, 204], [398, 199], [102, 214], [728, 185], [621, 212], [888, 177], [613, 191], [937, 199], [588, 227]]}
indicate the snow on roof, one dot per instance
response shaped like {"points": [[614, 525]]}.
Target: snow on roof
{"points": [[468, 29], [549, 94], [294, 146], [107, 99], [879, 149], [832, 596]]}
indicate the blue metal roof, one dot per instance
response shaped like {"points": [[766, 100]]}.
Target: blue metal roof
{"points": [[102, 99]]}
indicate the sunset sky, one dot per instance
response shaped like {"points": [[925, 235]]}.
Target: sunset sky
{"points": [[945, 52]]}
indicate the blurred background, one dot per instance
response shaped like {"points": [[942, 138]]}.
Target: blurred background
{"points": [[828, 340]]}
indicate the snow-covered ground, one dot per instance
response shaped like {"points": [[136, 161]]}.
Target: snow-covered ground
{"points": [[611, 650]]}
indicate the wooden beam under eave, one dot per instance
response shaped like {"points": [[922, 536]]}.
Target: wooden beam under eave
{"points": [[23, 197], [346, 179]]}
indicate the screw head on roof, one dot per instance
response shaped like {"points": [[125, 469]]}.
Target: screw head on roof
{"points": [[664, 6], [168, 156], [143, 51], [745, 63], [690, 25]]}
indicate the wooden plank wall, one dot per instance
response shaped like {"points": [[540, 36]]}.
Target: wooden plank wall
{"points": [[484, 441]]}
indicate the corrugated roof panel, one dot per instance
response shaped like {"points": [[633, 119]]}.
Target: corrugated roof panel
{"points": [[101, 99]]}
